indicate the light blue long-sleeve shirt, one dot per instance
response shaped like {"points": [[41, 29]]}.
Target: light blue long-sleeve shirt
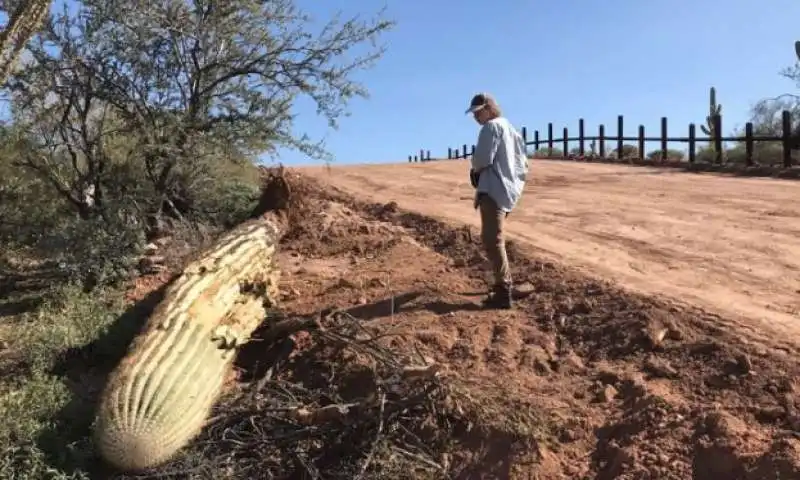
{"points": [[501, 159]]}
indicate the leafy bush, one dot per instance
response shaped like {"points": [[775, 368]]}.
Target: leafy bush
{"points": [[544, 152], [672, 155], [628, 151]]}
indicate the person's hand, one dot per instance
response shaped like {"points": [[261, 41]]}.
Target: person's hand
{"points": [[473, 178]]}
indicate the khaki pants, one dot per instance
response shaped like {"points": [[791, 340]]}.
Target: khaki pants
{"points": [[493, 238]]}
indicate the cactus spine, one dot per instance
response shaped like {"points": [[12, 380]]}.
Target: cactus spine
{"points": [[158, 398]]}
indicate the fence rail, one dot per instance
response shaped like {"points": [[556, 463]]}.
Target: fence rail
{"points": [[789, 141]]}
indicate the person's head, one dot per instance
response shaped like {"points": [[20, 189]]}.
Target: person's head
{"points": [[484, 108]]}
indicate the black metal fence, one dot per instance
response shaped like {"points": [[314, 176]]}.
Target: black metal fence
{"points": [[788, 138]]}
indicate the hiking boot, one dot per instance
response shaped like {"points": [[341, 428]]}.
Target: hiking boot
{"points": [[499, 297]]}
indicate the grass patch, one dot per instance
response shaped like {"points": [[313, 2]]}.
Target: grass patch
{"points": [[46, 399]]}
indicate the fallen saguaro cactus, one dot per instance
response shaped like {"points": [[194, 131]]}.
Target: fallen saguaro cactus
{"points": [[159, 397]]}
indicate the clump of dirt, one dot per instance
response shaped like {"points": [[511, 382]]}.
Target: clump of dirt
{"points": [[318, 227]]}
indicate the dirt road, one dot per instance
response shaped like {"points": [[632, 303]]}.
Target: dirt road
{"points": [[731, 245]]}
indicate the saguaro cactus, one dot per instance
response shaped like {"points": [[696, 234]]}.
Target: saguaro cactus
{"points": [[714, 109], [158, 398]]}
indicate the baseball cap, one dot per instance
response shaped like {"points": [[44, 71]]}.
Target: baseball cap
{"points": [[478, 102]]}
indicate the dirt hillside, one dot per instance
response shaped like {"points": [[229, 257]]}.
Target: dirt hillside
{"points": [[730, 245], [581, 380]]}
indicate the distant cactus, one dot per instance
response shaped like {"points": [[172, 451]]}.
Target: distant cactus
{"points": [[714, 109], [158, 398]]}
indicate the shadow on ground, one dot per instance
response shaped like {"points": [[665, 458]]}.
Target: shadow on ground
{"points": [[23, 292], [67, 443]]}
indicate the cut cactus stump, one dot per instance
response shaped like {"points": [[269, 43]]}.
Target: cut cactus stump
{"points": [[160, 396]]}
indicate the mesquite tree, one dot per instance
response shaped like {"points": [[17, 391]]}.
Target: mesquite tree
{"points": [[172, 83]]}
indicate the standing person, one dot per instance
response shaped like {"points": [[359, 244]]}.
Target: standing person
{"points": [[498, 172]]}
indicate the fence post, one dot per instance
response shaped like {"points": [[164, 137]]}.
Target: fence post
{"points": [[581, 135], [525, 141], [620, 135], [465, 150], [449, 153], [718, 139], [565, 143], [473, 151], [535, 141], [664, 139], [601, 132], [748, 144], [641, 142], [787, 139], [549, 139], [692, 143]]}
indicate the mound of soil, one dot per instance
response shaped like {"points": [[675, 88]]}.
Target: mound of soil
{"points": [[386, 367]]}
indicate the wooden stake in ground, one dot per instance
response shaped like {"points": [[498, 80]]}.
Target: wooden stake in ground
{"points": [[161, 394]]}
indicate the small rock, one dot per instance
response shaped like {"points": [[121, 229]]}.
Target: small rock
{"points": [[656, 335], [606, 375], [571, 363], [675, 334], [744, 363], [362, 300], [659, 367], [619, 459], [635, 386], [345, 283], [771, 414], [606, 394]]}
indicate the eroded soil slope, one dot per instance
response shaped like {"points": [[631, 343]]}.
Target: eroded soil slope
{"points": [[731, 245], [581, 380]]}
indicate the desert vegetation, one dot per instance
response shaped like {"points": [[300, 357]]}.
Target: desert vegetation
{"points": [[133, 137], [131, 158]]}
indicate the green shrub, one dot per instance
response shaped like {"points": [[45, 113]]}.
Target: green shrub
{"points": [[544, 152], [672, 155], [47, 414]]}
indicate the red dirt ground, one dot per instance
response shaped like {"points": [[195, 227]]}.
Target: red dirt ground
{"points": [[624, 386], [729, 245]]}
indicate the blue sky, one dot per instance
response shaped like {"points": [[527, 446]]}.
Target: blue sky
{"points": [[556, 61]]}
